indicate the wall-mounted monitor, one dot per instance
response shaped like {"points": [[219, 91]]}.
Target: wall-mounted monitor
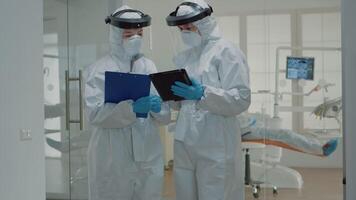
{"points": [[300, 68]]}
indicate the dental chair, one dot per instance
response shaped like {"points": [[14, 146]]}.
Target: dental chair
{"points": [[268, 168], [265, 170]]}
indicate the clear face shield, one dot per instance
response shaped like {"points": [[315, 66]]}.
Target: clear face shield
{"points": [[131, 23], [176, 39], [184, 34]]}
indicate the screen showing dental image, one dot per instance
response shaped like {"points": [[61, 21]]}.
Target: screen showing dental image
{"points": [[300, 68]]}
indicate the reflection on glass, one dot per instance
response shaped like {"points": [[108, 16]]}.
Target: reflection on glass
{"points": [[259, 27]]}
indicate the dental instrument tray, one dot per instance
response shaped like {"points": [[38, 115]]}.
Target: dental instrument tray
{"points": [[163, 81]]}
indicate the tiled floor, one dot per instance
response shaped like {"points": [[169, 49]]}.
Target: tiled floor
{"points": [[319, 184]]}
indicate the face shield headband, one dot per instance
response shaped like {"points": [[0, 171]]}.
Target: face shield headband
{"points": [[115, 20], [198, 14]]}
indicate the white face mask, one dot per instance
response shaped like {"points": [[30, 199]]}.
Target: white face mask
{"points": [[190, 38], [133, 45]]}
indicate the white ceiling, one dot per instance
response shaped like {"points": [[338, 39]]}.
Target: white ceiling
{"points": [[237, 6]]}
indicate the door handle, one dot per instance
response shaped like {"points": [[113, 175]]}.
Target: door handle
{"points": [[68, 80]]}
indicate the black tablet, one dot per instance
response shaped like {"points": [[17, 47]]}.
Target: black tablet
{"points": [[163, 82]]}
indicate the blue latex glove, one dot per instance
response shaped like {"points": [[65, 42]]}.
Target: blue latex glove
{"points": [[142, 105], [188, 92], [329, 147], [156, 103], [146, 104]]}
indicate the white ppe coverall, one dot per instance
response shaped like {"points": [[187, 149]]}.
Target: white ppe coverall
{"points": [[207, 149], [125, 154]]}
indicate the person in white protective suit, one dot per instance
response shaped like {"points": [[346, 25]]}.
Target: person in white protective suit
{"points": [[125, 154], [207, 149]]}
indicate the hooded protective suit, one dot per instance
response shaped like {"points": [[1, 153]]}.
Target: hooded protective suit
{"points": [[125, 154], [207, 152]]}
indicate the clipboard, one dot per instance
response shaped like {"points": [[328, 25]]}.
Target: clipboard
{"points": [[125, 86], [163, 82]]}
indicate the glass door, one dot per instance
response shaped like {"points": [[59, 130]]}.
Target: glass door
{"points": [[55, 65], [87, 42], [75, 36], [292, 119]]}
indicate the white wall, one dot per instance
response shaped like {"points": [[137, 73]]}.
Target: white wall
{"points": [[21, 100], [222, 7], [349, 93], [163, 46]]}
